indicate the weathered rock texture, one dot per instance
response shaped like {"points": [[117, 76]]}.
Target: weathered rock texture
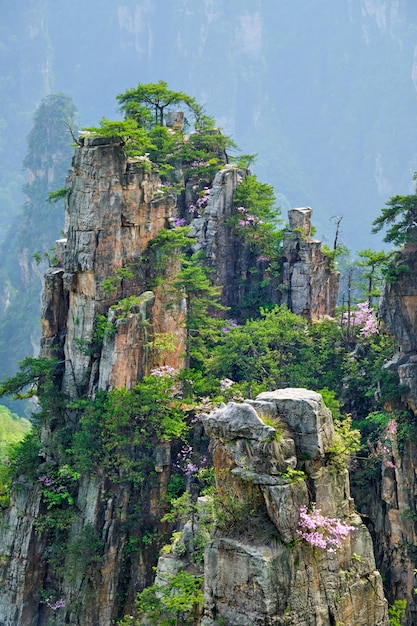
{"points": [[311, 284], [398, 310], [257, 569], [114, 209], [392, 508], [308, 285]]}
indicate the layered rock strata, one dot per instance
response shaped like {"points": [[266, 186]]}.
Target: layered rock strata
{"points": [[115, 208], [258, 570]]}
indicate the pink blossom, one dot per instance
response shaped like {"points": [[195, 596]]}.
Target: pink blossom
{"points": [[190, 469], [59, 604], [230, 324], [46, 480], [164, 370], [363, 318], [321, 531]]}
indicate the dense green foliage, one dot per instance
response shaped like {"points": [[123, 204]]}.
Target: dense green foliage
{"points": [[13, 430], [143, 133], [118, 427], [257, 219], [147, 103], [400, 216], [175, 600], [136, 140]]}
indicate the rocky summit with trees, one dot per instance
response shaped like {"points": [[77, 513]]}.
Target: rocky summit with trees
{"points": [[201, 399]]}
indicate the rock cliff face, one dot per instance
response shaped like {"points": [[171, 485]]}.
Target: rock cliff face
{"points": [[392, 509], [113, 211], [311, 285], [308, 285], [398, 311], [102, 313], [258, 570]]}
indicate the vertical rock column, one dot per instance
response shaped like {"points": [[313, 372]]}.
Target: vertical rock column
{"points": [[114, 210], [311, 284], [258, 570]]}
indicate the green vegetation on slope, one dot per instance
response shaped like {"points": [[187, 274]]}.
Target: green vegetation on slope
{"points": [[12, 429], [115, 433]]}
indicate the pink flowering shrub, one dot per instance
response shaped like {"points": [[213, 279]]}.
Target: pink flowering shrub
{"points": [[362, 318], [226, 383], [230, 391], [321, 531], [247, 219], [189, 461], [164, 370]]}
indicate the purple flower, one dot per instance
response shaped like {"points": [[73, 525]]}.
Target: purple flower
{"points": [[230, 324], [180, 221], [164, 370], [46, 480], [190, 469], [362, 317], [59, 604]]}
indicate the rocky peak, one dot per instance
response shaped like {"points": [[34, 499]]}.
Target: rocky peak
{"points": [[310, 282], [115, 208], [257, 566], [101, 313]]}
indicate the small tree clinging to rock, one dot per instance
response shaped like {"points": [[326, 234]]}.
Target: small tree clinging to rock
{"points": [[147, 103]]}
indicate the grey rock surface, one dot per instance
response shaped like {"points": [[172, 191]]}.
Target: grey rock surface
{"points": [[258, 570]]}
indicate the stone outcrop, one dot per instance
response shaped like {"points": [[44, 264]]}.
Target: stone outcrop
{"points": [[257, 568], [308, 284], [311, 284], [391, 511], [115, 208], [102, 312], [398, 311]]}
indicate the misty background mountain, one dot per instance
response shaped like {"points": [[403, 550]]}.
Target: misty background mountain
{"points": [[324, 92]]}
